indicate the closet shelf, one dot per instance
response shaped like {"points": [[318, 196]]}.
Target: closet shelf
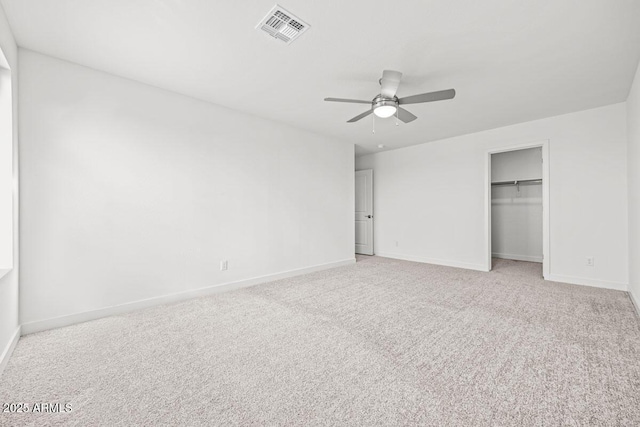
{"points": [[522, 181]]}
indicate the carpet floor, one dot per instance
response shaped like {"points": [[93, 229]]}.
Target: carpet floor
{"points": [[381, 342]]}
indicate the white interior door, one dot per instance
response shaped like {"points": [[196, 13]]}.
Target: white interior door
{"points": [[364, 212]]}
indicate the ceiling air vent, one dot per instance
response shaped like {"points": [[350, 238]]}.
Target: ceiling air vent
{"points": [[282, 25]]}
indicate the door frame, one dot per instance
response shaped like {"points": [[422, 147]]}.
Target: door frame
{"points": [[546, 255]]}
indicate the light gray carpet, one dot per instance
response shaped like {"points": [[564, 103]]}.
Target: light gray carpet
{"points": [[383, 342]]}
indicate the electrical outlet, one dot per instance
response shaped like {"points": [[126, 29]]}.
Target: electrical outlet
{"points": [[590, 261], [224, 265], [396, 243]]}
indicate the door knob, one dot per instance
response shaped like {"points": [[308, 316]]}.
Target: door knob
{"points": [[369, 216]]}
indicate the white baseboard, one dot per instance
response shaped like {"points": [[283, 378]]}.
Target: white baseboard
{"points": [[635, 302], [8, 350], [448, 263], [72, 319], [528, 258], [618, 286]]}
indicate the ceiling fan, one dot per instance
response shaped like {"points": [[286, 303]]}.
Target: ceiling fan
{"points": [[388, 104]]}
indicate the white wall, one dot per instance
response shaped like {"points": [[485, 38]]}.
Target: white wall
{"points": [[9, 289], [430, 198], [130, 192], [633, 167], [6, 168], [516, 210]]}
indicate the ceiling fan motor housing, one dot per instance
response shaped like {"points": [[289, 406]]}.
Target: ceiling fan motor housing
{"points": [[381, 101]]}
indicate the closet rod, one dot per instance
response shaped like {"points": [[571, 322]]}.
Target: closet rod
{"points": [[522, 181]]}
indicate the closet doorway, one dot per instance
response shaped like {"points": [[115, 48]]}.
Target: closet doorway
{"points": [[517, 203]]}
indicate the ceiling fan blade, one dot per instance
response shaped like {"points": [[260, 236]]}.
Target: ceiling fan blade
{"points": [[354, 101], [405, 116], [428, 97], [389, 83], [360, 116]]}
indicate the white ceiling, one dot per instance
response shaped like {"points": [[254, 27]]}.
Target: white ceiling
{"points": [[510, 61]]}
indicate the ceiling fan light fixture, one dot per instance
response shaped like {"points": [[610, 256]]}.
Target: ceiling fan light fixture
{"points": [[384, 111], [384, 107]]}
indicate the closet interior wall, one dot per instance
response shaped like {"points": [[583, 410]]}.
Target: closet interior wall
{"points": [[516, 205]]}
